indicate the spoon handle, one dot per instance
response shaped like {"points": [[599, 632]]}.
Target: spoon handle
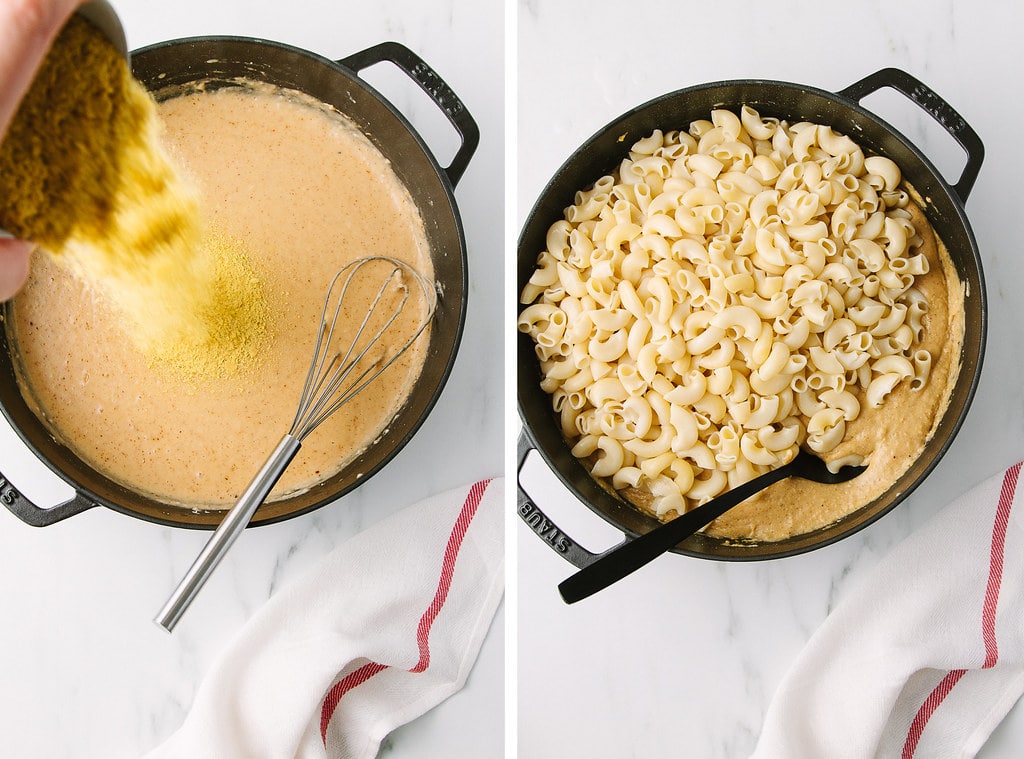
{"points": [[629, 556]]}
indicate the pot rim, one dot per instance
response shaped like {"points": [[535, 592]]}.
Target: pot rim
{"points": [[342, 66]]}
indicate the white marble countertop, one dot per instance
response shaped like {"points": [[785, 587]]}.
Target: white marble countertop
{"points": [[684, 661], [86, 672]]}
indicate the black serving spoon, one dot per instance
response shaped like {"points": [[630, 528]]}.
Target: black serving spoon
{"points": [[628, 557]]}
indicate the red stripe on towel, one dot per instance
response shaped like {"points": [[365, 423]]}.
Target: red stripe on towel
{"points": [[451, 554], [988, 613], [995, 572], [928, 708]]}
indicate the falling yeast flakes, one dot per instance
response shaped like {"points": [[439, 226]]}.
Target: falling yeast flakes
{"points": [[81, 160], [84, 175]]}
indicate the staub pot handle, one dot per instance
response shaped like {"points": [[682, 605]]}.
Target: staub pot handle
{"points": [[37, 516], [537, 521], [428, 80], [931, 103]]}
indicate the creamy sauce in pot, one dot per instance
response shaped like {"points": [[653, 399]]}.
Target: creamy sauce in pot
{"points": [[305, 192]]}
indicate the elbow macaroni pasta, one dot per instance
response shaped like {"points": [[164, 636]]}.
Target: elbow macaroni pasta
{"points": [[734, 291]]}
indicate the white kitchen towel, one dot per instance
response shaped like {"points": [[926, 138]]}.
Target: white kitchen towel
{"points": [[924, 656], [383, 629]]}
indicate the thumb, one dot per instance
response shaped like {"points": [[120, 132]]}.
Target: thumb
{"points": [[14, 257]]}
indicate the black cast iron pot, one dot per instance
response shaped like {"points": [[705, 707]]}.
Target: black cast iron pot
{"points": [[219, 60], [842, 111]]}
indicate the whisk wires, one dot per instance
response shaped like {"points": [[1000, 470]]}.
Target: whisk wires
{"points": [[338, 372]]}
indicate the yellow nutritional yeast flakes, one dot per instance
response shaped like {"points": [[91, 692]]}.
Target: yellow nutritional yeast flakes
{"points": [[83, 175]]}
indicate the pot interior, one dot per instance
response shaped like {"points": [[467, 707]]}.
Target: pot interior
{"points": [[602, 153], [172, 65]]}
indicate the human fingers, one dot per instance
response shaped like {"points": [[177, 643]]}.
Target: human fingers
{"points": [[14, 259]]}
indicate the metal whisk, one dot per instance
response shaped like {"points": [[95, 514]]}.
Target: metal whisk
{"points": [[336, 375]]}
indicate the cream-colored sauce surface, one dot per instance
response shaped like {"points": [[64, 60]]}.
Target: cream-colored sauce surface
{"points": [[305, 193], [889, 438]]}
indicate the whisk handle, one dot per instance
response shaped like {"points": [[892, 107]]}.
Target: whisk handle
{"points": [[227, 532]]}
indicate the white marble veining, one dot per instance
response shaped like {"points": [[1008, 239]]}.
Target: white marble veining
{"points": [[682, 658], [86, 673]]}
